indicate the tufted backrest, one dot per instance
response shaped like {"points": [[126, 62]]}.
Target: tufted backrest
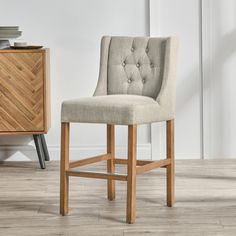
{"points": [[135, 66], [132, 65]]}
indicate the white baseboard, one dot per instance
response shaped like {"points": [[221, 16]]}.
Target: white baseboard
{"points": [[28, 152]]}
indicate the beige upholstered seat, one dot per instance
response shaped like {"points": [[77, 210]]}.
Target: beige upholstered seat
{"points": [[112, 109], [136, 85]]}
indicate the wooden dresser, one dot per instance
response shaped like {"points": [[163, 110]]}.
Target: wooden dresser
{"points": [[25, 95]]}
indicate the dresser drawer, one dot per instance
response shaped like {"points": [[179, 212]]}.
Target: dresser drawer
{"points": [[24, 95]]}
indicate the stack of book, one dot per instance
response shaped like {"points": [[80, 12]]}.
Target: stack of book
{"points": [[6, 33]]}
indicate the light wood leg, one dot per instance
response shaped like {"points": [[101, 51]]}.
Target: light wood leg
{"points": [[64, 179], [170, 168], [131, 181], [111, 162]]}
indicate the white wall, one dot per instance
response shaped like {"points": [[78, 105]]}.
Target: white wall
{"points": [[181, 18], [72, 30], [219, 54], [206, 110]]}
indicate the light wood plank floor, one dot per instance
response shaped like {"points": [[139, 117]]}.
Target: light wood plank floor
{"points": [[205, 202]]}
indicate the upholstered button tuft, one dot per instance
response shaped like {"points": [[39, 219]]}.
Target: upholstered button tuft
{"points": [[138, 65], [152, 65], [132, 49], [143, 80], [146, 50], [129, 80], [123, 64]]}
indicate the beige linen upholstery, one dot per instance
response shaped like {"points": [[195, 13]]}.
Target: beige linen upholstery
{"points": [[112, 109], [136, 83]]}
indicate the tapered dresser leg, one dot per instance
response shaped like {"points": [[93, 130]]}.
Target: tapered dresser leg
{"points": [[45, 148], [64, 179], [131, 181], [39, 149], [171, 168], [111, 162]]}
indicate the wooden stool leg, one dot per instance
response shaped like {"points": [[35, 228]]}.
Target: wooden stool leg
{"points": [[171, 168], [111, 162], [131, 182], [64, 185]]}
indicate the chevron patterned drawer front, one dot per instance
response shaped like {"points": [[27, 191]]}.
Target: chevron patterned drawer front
{"points": [[24, 91]]}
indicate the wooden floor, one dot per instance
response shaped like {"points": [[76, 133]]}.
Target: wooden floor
{"points": [[205, 202]]}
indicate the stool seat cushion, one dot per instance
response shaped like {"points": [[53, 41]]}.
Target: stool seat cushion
{"points": [[113, 109]]}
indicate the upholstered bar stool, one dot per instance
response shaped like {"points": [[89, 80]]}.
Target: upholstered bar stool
{"points": [[136, 85]]}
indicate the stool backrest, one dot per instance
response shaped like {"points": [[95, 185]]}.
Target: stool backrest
{"points": [[133, 65]]}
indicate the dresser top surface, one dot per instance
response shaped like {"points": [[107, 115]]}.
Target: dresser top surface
{"points": [[23, 50]]}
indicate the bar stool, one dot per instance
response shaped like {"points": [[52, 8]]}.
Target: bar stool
{"points": [[136, 85]]}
